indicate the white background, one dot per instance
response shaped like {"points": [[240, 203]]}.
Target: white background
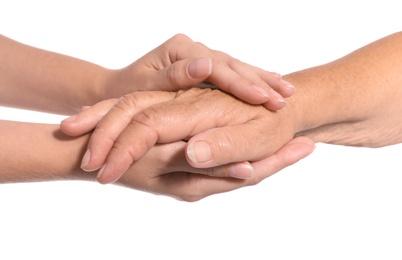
{"points": [[339, 203]]}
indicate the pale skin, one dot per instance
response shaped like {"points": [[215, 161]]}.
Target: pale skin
{"points": [[42, 153], [354, 100], [36, 79]]}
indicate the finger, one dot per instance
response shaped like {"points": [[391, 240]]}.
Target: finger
{"points": [[183, 74], [193, 187], [269, 83], [166, 158], [168, 122], [171, 158], [277, 83], [295, 150], [240, 170], [114, 122], [246, 82], [87, 119], [228, 80], [251, 141], [260, 77]]}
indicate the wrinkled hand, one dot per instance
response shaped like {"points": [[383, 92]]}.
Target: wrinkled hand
{"points": [[220, 128], [182, 63], [165, 171]]}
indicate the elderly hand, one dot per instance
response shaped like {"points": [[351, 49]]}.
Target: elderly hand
{"points": [[216, 124], [182, 63], [165, 171]]}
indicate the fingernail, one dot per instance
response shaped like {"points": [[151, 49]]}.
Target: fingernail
{"points": [[196, 69], [85, 159], [101, 171], [277, 96], [71, 118], [261, 90], [199, 152], [288, 84], [105, 172], [241, 171]]}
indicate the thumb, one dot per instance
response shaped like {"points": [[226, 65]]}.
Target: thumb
{"points": [[250, 141], [184, 74]]}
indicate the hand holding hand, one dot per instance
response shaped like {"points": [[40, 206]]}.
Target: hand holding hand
{"points": [[216, 124], [182, 63], [165, 171]]}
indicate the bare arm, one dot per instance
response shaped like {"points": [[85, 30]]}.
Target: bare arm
{"points": [[37, 79], [40, 152], [354, 100]]}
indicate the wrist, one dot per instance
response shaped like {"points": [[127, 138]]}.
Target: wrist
{"points": [[41, 153], [102, 85], [114, 83], [319, 99]]}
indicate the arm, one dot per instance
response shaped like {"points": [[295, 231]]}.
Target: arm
{"points": [[40, 152], [351, 101], [354, 100], [37, 79]]}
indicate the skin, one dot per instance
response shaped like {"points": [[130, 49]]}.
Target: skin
{"points": [[352, 101], [36, 79], [41, 152]]}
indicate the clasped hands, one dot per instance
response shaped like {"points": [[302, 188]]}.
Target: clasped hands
{"points": [[181, 143]]}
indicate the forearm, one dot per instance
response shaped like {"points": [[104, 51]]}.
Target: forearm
{"points": [[354, 100], [36, 79], [39, 152]]}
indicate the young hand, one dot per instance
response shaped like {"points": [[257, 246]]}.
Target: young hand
{"points": [[181, 63]]}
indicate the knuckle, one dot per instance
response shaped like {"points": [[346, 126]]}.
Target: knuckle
{"points": [[148, 121], [172, 74], [129, 101], [192, 192], [147, 117], [181, 37], [234, 63], [126, 152], [222, 147], [190, 197], [102, 136]]}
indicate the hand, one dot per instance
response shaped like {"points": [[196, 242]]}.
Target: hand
{"points": [[182, 63], [165, 171], [140, 120]]}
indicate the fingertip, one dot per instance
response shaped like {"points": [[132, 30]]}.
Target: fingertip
{"points": [[70, 119], [275, 105], [264, 93], [303, 147], [241, 171], [92, 161], [104, 175], [200, 68], [68, 126], [110, 172], [85, 159], [286, 89], [198, 152]]}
